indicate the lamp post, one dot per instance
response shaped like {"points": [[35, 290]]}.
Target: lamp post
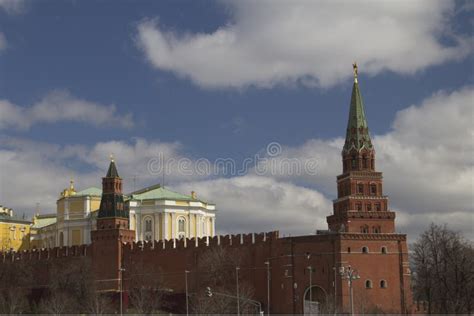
{"points": [[350, 275], [310, 269], [186, 285], [267, 263], [335, 290], [121, 270], [237, 289]]}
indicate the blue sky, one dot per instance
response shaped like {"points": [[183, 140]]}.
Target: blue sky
{"points": [[166, 69]]}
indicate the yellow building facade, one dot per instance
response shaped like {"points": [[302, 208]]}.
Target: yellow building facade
{"points": [[73, 221], [156, 213], [14, 231]]}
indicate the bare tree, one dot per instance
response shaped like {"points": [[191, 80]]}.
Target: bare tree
{"points": [[217, 270], [71, 288], [145, 287], [15, 286], [443, 264]]}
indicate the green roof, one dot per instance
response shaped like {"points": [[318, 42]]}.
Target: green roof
{"points": [[157, 192], [13, 219], [44, 220], [357, 133], [90, 191], [112, 172]]}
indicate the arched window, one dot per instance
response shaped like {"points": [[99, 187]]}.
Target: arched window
{"points": [[369, 207], [148, 228], [383, 284], [181, 227], [378, 207], [368, 284], [384, 250], [359, 206], [364, 229], [365, 249], [360, 188], [376, 229], [365, 162]]}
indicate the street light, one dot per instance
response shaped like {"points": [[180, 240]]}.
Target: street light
{"points": [[237, 286], [335, 290], [267, 263], [310, 268], [121, 270], [350, 275], [186, 284]]}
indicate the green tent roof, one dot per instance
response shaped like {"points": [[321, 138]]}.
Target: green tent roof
{"points": [[157, 192], [112, 172], [357, 133]]}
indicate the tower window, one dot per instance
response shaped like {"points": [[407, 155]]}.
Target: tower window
{"points": [[354, 161], [360, 188], [365, 249], [384, 250], [368, 284], [383, 284], [376, 229], [373, 189], [348, 249], [359, 206], [372, 164], [378, 207], [365, 162], [364, 229], [369, 207]]}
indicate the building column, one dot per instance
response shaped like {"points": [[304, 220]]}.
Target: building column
{"points": [[165, 225], [173, 225], [87, 206], [156, 219]]}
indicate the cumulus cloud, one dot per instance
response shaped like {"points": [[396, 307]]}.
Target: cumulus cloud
{"points": [[59, 106], [255, 204], [310, 42], [34, 172]]}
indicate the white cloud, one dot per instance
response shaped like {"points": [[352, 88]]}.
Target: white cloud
{"points": [[256, 204], [12, 6], [313, 42], [32, 172], [58, 106]]}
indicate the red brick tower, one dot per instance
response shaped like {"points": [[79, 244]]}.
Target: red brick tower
{"points": [[112, 231], [365, 227], [360, 206]]}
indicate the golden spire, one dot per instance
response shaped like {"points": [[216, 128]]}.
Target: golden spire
{"points": [[354, 67]]}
